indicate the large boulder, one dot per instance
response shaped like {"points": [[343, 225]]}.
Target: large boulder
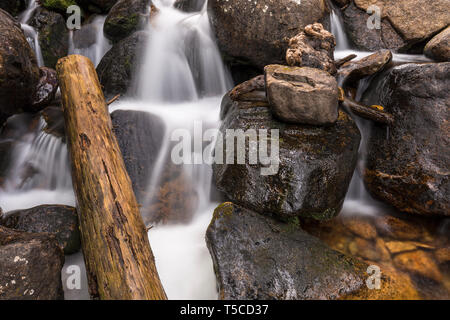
{"points": [[31, 265], [53, 35], [309, 178], [407, 164], [19, 72], [404, 23], [125, 17], [439, 47], [59, 220], [302, 95], [14, 7], [120, 64], [313, 47], [259, 31], [257, 257]]}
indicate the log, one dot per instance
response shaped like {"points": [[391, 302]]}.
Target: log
{"points": [[116, 248], [374, 113], [338, 63]]}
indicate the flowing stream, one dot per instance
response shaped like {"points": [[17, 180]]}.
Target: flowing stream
{"points": [[30, 33]]}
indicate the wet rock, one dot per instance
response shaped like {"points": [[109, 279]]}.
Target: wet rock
{"points": [[100, 6], [259, 31], [313, 47], [442, 255], [363, 38], [314, 169], [31, 266], [140, 136], [125, 17], [302, 95], [53, 35], [58, 5], [46, 89], [256, 257], [117, 67], [353, 71], [407, 166], [396, 228], [418, 262], [19, 72], [360, 227], [342, 3], [54, 118], [14, 7], [439, 47], [189, 5], [6, 149], [59, 220], [400, 246]]}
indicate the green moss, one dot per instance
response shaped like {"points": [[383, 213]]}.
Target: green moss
{"points": [[58, 5]]}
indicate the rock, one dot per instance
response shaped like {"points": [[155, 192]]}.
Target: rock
{"points": [[259, 31], [442, 255], [256, 257], [313, 47], [117, 67], [302, 95], [31, 266], [13, 7], [19, 72], [58, 5], [400, 246], [314, 169], [353, 71], [438, 48], [342, 3], [251, 90], [124, 18], [140, 136], [360, 227], [46, 89], [189, 5], [101, 6], [59, 220], [419, 263], [363, 38], [53, 35], [54, 118], [407, 166], [6, 156], [399, 229]]}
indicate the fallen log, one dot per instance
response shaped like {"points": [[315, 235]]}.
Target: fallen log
{"points": [[374, 113], [116, 248]]}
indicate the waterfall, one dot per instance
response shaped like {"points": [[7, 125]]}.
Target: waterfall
{"points": [[30, 33], [337, 29], [90, 40]]}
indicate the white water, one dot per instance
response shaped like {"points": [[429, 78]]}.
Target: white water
{"points": [[30, 33], [99, 46]]}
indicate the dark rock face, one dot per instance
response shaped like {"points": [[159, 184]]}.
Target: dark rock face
{"points": [[59, 220], [259, 31], [53, 35], [189, 5], [125, 17], [54, 117], [302, 95], [140, 137], [256, 257], [355, 21], [97, 5], [19, 72], [46, 89], [407, 165], [14, 7], [315, 164], [314, 47], [31, 266], [439, 47], [117, 67]]}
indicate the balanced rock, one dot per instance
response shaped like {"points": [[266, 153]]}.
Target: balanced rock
{"points": [[302, 95], [439, 47]]}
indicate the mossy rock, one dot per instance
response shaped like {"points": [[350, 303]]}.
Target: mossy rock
{"points": [[58, 5]]}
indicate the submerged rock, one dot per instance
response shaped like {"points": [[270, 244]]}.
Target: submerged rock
{"points": [[59, 220], [407, 165], [117, 67], [439, 47], [302, 95], [31, 265], [125, 17], [53, 35], [256, 257], [313, 47], [259, 31], [19, 72], [46, 89], [310, 175]]}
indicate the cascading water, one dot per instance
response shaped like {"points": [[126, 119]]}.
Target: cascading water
{"points": [[30, 33], [182, 81]]}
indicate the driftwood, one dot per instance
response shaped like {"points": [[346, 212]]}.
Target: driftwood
{"points": [[338, 63], [374, 113], [116, 248], [116, 97]]}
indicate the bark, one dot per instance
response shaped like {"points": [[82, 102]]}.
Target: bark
{"points": [[373, 113], [117, 252]]}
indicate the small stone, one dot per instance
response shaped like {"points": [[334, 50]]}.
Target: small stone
{"points": [[360, 227], [400, 246], [418, 262]]}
